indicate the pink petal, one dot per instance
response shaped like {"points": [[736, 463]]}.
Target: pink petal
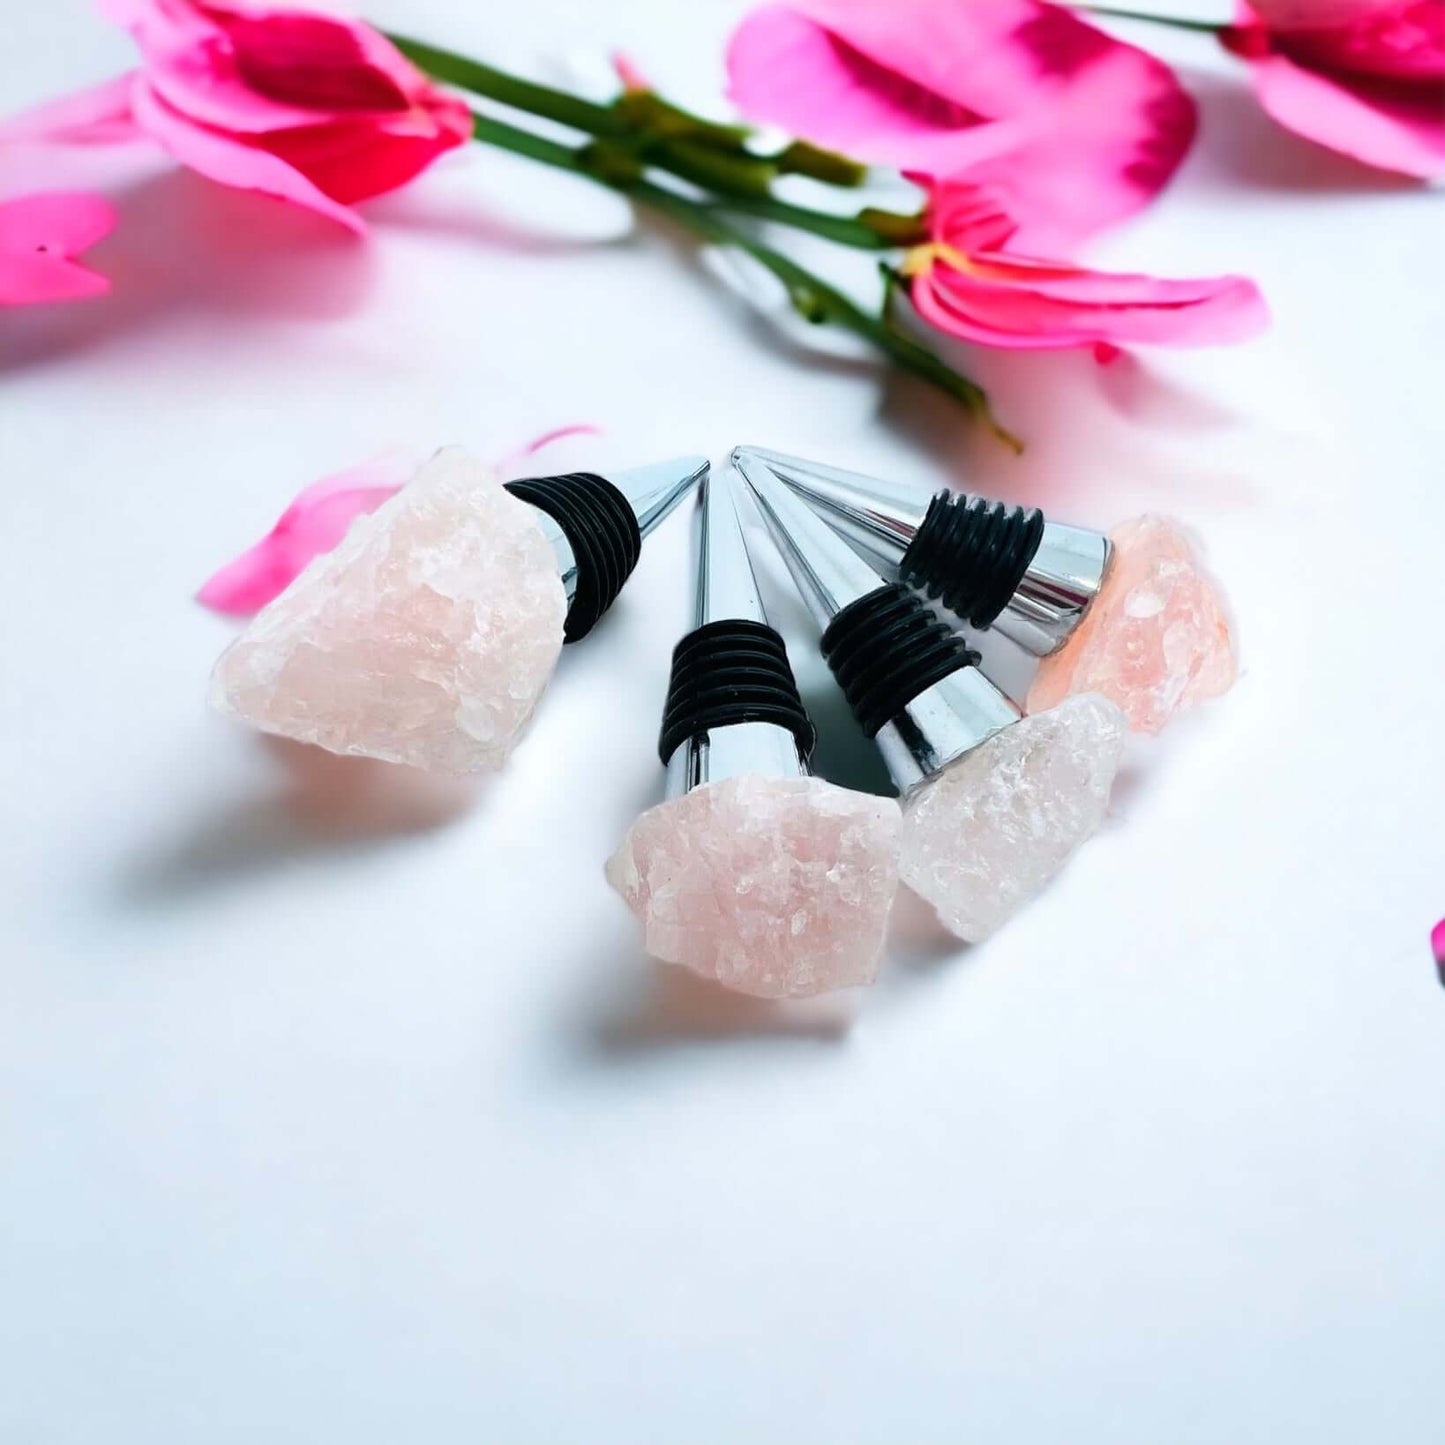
{"points": [[557, 434], [354, 160], [314, 523], [38, 237], [319, 518], [629, 73], [1384, 126], [1401, 40], [1073, 129], [230, 161], [318, 62], [1437, 943], [60, 221], [269, 70], [1020, 304], [100, 115], [191, 62]]}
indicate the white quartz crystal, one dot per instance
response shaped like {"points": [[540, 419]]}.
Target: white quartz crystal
{"points": [[989, 831], [426, 637], [779, 888]]}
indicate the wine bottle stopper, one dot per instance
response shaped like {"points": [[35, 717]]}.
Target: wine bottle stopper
{"points": [[1132, 616], [993, 804], [990, 565], [752, 872], [429, 633]]}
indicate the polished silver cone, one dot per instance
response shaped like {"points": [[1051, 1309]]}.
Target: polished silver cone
{"points": [[880, 520], [726, 590], [651, 491], [829, 573], [877, 519], [942, 722], [1063, 578], [726, 585], [655, 490]]}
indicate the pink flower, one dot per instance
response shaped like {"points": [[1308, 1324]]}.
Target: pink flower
{"points": [[318, 519], [1069, 129], [40, 236], [1364, 77], [321, 111], [1029, 128], [1437, 943], [966, 282]]}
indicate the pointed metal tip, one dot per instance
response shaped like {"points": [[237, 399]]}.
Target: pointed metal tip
{"points": [[878, 519], [727, 588], [654, 490], [828, 572]]}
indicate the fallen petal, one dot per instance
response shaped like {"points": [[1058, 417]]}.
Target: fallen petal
{"points": [[1382, 125]]}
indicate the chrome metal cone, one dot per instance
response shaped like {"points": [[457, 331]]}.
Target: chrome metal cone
{"points": [[992, 566], [726, 586], [733, 706], [911, 683], [596, 523], [877, 519], [829, 574], [653, 491]]}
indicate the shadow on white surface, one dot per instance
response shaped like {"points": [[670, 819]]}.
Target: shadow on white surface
{"points": [[324, 804], [1077, 419], [184, 246], [661, 1006], [917, 941], [1240, 145], [471, 219]]}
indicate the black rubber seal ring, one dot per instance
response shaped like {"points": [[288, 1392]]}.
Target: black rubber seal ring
{"points": [[972, 554], [886, 648], [601, 526], [731, 672]]}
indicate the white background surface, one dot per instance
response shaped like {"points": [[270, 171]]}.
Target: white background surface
{"points": [[332, 1115]]}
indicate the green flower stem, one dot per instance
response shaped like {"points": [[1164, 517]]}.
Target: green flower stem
{"points": [[498, 85], [812, 297], [702, 152], [1207, 27]]}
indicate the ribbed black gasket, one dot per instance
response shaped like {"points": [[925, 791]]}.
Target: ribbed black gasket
{"points": [[731, 672], [888, 647], [601, 526], [972, 554]]}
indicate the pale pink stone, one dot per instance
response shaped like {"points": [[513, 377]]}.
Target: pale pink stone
{"points": [[985, 835], [779, 888], [425, 637], [1156, 638]]}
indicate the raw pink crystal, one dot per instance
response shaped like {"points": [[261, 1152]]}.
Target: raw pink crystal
{"points": [[779, 888], [1155, 639], [985, 835], [425, 637]]}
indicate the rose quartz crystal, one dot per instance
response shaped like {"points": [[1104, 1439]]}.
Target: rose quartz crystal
{"points": [[985, 835], [1155, 639], [774, 887], [426, 637]]}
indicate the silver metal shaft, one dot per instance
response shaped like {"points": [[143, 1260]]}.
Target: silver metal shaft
{"points": [[652, 492], [877, 518], [829, 573], [726, 585], [942, 722], [726, 589], [880, 520]]}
